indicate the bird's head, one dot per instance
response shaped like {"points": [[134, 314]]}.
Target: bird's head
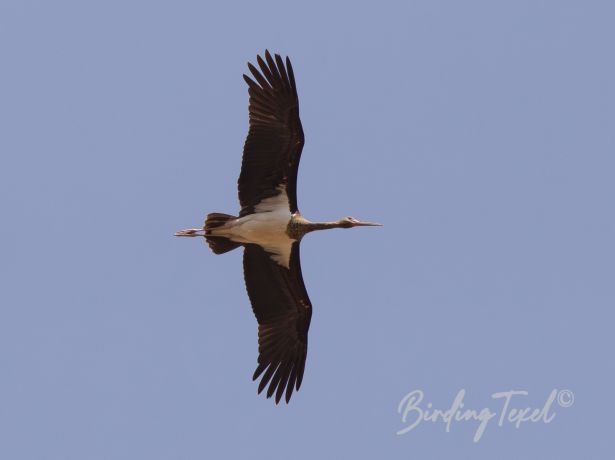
{"points": [[349, 222]]}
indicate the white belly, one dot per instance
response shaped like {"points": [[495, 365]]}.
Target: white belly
{"points": [[267, 228], [260, 228]]}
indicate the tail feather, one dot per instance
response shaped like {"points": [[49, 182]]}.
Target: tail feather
{"points": [[218, 244], [216, 219]]}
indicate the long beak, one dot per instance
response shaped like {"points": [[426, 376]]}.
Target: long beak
{"points": [[367, 224], [191, 232]]}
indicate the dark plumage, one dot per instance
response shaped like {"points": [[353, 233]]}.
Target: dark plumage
{"points": [[283, 311], [275, 140], [270, 227]]}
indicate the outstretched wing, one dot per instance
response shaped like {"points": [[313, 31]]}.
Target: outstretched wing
{"points": [[273, 147], [283, 311]]}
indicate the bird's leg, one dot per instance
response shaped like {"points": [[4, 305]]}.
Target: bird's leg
{"points": [[191, 232]]}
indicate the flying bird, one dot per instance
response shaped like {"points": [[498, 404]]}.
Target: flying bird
{"points": [[270, 227]]}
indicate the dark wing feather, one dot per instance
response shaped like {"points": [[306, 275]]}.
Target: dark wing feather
{"points": [[283, 311], [273, 147]]}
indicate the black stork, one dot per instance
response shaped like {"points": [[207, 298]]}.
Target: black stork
{"points": [[270, 227]]}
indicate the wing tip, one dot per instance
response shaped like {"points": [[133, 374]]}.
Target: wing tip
{"points": [[282, 382], [273, 71]]}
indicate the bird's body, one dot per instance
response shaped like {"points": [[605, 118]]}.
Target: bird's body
{"points": [[267, 226], [270, 227]]}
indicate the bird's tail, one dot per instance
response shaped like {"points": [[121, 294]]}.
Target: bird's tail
{"points": [[218, 244], [215, 220]]}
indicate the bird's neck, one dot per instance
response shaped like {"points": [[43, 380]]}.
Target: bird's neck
{"points": [[299, 226], [312, 226]]}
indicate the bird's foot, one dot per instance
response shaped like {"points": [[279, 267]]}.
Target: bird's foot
{"points": [[191, 232]]}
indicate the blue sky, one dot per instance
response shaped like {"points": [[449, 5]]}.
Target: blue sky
{"points": [[480, 133]]}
